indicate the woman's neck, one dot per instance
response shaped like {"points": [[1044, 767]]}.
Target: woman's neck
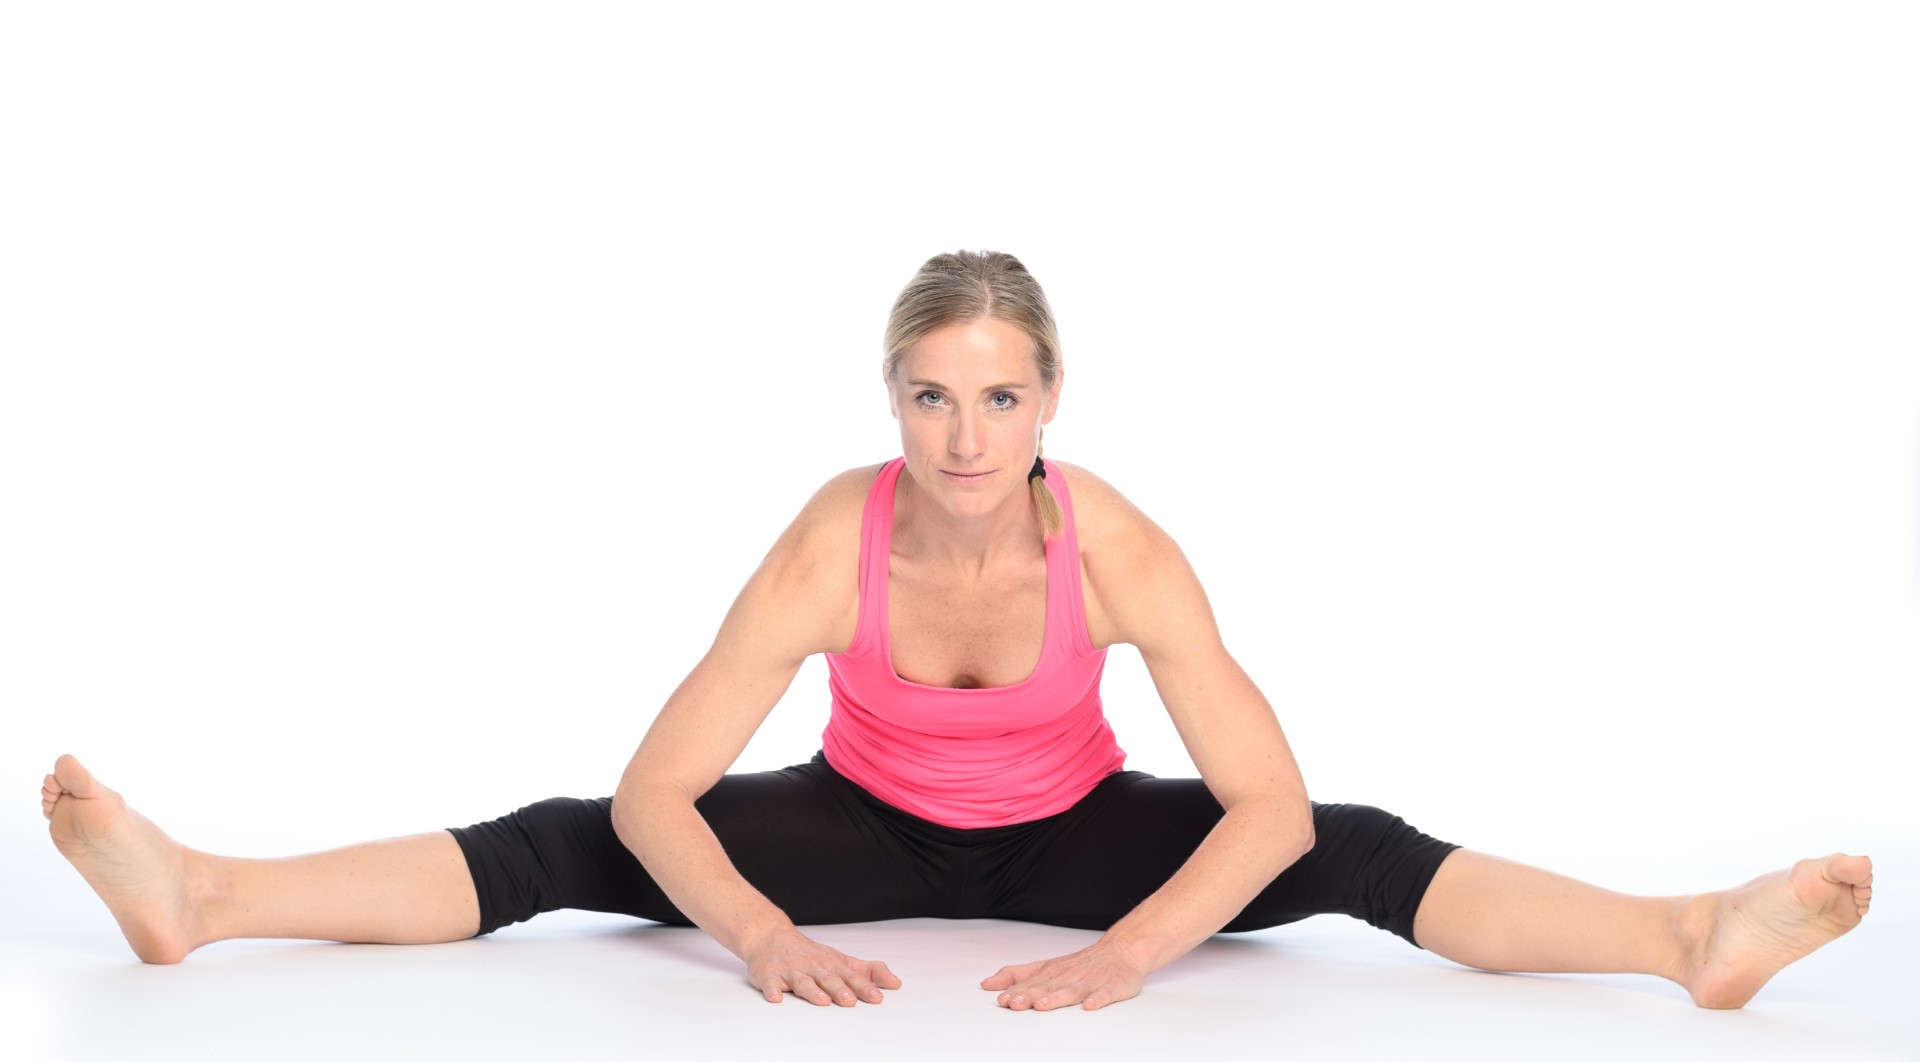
{"points": [[966, 544]]}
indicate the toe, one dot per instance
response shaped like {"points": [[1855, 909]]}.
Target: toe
{"points": [[1842, 869], [72, 777]]}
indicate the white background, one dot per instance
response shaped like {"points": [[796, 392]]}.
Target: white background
{"points": [[394, 396]]}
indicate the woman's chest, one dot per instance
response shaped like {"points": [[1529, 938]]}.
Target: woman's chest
{"points": [[966, 633]]}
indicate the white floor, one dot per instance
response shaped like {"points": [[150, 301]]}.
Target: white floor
{"points": [[577, 985]]}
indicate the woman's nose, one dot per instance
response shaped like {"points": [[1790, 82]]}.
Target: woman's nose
{"points": [[965, 438]]}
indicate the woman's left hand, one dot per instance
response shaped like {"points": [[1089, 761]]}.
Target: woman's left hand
{"points": [[1093, 977]]}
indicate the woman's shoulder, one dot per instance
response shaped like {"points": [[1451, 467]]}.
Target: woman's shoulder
{"points": [[1104, 520], [814, 567], [1123, 555], [840, 501], [824, 539], [830, 520]]}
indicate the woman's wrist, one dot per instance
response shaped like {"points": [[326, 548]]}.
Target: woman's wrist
{"points": [[1233, 863], [756, 934], [678, 849], [1146, 951]]}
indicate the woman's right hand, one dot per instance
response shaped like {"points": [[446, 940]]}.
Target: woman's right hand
{"points": [[787, 961]]}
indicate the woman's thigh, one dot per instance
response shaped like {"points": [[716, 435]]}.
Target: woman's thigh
{"points": [[814, 850], [1094, 863]]}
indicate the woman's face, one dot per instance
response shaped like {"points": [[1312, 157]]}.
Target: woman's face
{"points": [[970, 403]]}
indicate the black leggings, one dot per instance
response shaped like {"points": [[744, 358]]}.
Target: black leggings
{"points": [[826, 851]]}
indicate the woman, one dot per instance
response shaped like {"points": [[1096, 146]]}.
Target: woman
{"points": [[965, 594]]}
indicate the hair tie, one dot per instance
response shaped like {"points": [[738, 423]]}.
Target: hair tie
{"points": [[1039, 470]]}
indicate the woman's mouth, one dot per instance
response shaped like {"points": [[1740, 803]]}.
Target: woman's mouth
{"points": [[964, 477]]}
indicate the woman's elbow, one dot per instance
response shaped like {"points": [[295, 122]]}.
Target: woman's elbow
{"points": [[1305, 841], [634, 796], [1288, 821], [1297, 815]]}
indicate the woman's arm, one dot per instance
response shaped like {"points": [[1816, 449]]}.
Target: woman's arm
{"points": [[1235, 740], [800, 601], [1141, 590]]}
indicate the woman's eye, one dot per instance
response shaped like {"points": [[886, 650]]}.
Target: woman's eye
{"points": [[928, 398], [1009, 402]]}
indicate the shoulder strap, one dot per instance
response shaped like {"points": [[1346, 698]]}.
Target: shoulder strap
{"points": [[876, 543], [1063, 569]]}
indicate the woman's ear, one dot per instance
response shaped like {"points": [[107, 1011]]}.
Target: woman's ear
{"points": [[1053, 395]]}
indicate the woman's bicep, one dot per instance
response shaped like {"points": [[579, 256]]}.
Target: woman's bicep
{"points": [[715, 710], [793, 606], [707, 721], [1228, 726]]}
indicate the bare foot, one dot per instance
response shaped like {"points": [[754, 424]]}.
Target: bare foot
{"points": [[142, 874], [1745, 935]]}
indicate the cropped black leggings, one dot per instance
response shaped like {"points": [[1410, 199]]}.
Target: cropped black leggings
{"points": [[826, 851]]}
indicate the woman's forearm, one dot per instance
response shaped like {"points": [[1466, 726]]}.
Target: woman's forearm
{"points": [[679, 850], [1249, 847]]}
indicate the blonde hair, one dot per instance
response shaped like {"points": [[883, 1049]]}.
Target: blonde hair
{"points": [[968, 285]]}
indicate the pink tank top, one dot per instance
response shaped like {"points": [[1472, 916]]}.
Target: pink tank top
{"points": [[970, 758]]}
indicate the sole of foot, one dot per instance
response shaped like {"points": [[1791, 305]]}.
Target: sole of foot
{"points": [[1755, 930], [140, 872]]}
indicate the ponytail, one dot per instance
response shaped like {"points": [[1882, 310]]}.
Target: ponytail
{"points": [[1051, 521]]}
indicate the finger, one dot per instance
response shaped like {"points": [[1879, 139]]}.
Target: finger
{"points": [[1034, 974], [1008, 975], [1022, 995], [1048, 992], [866, 980], [808, 989], [1015, 996], [1097, 998], [805, 988], [864, 987], [836, 987], [882, 975], [773, 990], [1058, 995]]}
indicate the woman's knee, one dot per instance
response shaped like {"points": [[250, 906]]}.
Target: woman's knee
{"points": [[1389, 863], [534, 859], [1365, 862]]}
